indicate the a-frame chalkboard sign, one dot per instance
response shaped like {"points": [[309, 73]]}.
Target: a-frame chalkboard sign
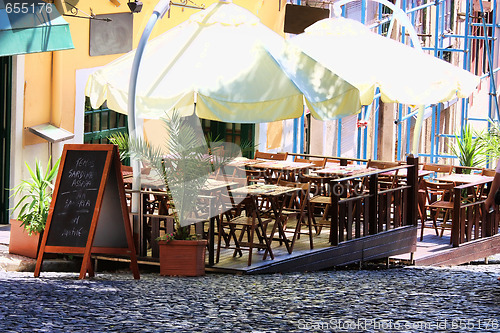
{"points": [[88, 213]]}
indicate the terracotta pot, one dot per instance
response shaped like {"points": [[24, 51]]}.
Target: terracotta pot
{"points": [[182, 257], [21, 243]]}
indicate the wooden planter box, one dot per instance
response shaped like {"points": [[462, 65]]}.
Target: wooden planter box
{"points": [[21, 243], [182, 257]]}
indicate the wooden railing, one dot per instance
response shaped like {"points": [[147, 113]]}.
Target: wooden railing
{"points": [[471, 220], [368, 209]]}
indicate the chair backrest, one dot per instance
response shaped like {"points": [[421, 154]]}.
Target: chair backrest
{"points": [[233, 204], [443, 191], [318, 163], [439, 168], [126, 168], [271, 156], [335, 161], [298, 199], [488, 172], [144, 171], [382, 164], [385, 181], [255, 176], [319, 185], [240, 181]]}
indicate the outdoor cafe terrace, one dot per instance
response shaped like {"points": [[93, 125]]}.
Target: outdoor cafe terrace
{"points": [[285, 212]]}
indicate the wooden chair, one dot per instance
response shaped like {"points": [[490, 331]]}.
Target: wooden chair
{"points": [[382, 164], [271, 156], [317, 163], [297, 205], [253, 176], [271, 176], [335, 161], [482, 190], [320, 200], [439, 169], [488, 172], [439, 199], [385, 181], [246, 231]]}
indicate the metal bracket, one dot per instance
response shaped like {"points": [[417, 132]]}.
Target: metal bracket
{"points": [[184, 4], [75, 11]]}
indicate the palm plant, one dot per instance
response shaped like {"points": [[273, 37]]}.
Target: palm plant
{"points": [[122, 141], [184, 164], [468, 149], [37, 194]]}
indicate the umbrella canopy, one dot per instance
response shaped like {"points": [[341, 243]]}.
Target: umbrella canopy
{"points": [[367, 60], [232, 66]]}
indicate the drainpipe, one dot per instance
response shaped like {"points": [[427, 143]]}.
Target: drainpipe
{"points": [[56, 95]]}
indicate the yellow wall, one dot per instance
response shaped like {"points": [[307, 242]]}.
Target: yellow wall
{"points": [[50, 77]]}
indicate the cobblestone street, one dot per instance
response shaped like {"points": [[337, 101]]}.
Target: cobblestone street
{"points": [[464, 298]]}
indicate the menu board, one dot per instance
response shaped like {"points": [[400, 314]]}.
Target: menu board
{"points": [[88, 212], [76, 198]]}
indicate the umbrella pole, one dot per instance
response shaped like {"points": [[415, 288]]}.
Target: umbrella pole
{"points": [[134, 132], [418, 130]]}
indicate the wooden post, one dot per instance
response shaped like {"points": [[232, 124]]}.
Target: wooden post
{"points": [[334, 224], [373, 202], [412, 179], [456, 230]]}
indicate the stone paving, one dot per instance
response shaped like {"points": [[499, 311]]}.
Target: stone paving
{"points": [[459, 299], [409, 299]]}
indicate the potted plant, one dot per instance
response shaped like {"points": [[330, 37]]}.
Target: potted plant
{"points": [[468, 149], [184, 165], [34, 204]]}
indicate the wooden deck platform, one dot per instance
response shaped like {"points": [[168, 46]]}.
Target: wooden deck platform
{"points": [[397, 245], [323, 256], [402, 244], [438, 251]]}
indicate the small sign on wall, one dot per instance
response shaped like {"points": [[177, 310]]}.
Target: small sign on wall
{"points": [[111, 37]]}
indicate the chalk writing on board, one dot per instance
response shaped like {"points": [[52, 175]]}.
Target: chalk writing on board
{"points": [[73, 232], [77, 197]]}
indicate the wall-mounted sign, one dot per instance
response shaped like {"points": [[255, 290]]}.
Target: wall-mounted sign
{"points": [[111, 37]]}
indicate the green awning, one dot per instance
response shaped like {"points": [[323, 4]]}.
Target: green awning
{"points": [[39, 29]]}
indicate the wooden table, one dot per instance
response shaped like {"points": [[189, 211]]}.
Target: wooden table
{"points": [[462, 178], [343, 170], [155, 186], [404, 172], [273, 193], [243, 162], [287, 168]]}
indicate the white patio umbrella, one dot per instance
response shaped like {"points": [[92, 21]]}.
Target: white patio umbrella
{"points": [[232, 66], [367, 60], [228, 64]]}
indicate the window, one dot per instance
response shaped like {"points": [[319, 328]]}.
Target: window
{"points": [[240, 134], [101, 123]]}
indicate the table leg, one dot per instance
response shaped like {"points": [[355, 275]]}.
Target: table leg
{"points": [[278, 224], [267, 240]]}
